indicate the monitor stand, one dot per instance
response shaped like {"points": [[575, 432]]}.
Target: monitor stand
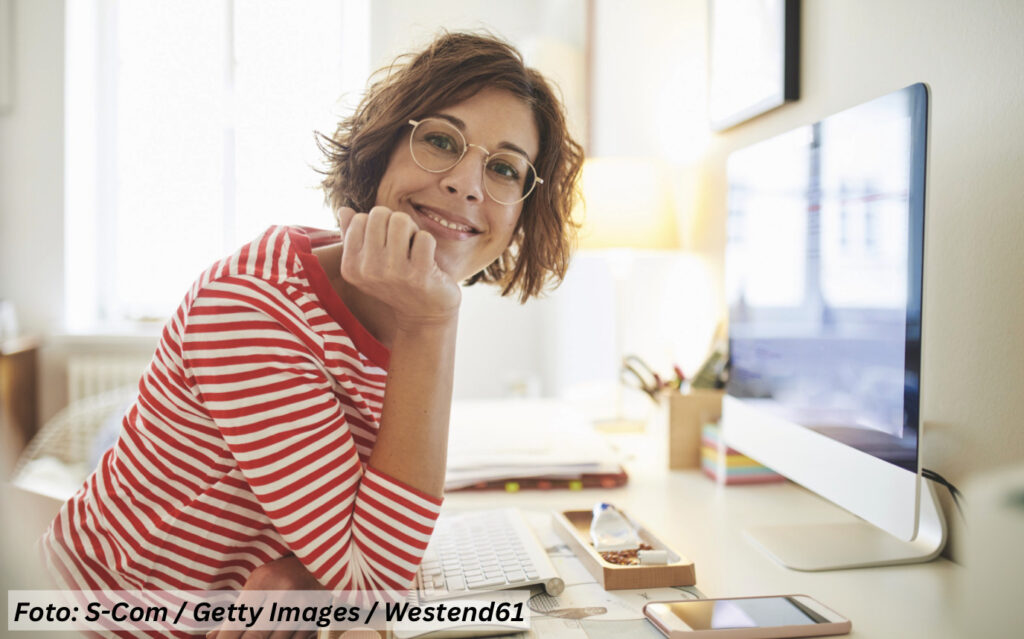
{"points": [[855, 545]]}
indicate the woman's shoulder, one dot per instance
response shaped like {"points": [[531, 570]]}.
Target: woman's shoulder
{"points": [[271, 267], [271, 260], [275, 253], [316, 237]]}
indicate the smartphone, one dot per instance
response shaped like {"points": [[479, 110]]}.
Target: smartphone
{"points": [[746, 618]]}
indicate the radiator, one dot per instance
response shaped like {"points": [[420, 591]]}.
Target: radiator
{"points": [[90, 375]]}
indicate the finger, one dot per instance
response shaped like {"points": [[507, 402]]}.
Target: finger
{"points": [[344, 216], [377, 227], [352, 247], [401, 229], [227, 633], [355, 235], [289, 634], [224, 633], [250, 598], [421, 255]]}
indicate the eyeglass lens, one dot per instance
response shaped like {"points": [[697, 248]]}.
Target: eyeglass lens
{"points": [[438, 146]]}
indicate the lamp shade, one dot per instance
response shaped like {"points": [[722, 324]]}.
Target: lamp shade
{"points": [[627, 203]]}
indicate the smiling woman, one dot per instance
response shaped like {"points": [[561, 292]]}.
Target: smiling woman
{"points": [[451, 70], [291, 429]]}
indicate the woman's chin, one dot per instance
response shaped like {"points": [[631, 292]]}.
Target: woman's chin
{"points": [[457, 266], [450, 268]]}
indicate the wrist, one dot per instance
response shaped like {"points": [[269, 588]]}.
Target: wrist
{"points": [[423, 325]]}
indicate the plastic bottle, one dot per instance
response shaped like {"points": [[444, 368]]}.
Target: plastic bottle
{"points": [[610, 530]]}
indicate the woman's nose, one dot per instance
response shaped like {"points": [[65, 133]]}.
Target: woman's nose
{"points": [[466, 178]]}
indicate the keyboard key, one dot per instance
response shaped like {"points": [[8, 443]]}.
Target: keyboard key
{"points": [[456, 583], [515, 576]]}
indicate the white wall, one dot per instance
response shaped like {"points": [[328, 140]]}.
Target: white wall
{"points": [[649, 79], [32, 168]]}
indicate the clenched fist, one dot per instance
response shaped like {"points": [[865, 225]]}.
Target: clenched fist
{"points": [[387, 256]]}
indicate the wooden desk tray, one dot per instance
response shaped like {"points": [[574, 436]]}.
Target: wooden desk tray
{"points": [[573, 526]]}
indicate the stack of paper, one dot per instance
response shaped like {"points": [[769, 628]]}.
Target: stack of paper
{"points": [[545, 443], [726, 465]]}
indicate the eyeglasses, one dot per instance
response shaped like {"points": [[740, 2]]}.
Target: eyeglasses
{"points": [[437, 146]]}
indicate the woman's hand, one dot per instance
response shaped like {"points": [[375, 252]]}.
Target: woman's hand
{"points": [[387, 256], [286, 573]]}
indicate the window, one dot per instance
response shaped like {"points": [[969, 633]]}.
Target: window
{"points": [[189, 131]]}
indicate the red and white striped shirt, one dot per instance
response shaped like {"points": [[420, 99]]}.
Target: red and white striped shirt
{"points": [[249, 442]]}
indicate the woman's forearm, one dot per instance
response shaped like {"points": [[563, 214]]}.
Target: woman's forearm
{"points": [[412, 444]]}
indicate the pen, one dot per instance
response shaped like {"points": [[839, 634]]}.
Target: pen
{"points": [[680, 376]]}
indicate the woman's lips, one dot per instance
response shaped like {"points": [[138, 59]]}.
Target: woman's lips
{"points": [[442, 225]]}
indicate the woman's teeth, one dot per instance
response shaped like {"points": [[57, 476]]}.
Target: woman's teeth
{"points": [[445, 223]]}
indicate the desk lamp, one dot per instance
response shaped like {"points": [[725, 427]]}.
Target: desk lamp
{"points": [[627, 208]]}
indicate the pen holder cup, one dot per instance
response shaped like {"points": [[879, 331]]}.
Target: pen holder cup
{"points": [[687, 414]]}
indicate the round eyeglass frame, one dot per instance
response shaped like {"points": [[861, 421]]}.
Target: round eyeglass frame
{"points": [[465, 149]]}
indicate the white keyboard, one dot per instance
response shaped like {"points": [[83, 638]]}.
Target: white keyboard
{"points": [[484, 550]]}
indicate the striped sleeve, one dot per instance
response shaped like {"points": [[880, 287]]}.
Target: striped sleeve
{"points": [[257, 369]]}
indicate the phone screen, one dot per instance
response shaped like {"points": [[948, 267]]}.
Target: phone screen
{"points": [[759, 612]]}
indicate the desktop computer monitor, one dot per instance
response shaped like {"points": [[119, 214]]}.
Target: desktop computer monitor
{"points": [[824, 264]]}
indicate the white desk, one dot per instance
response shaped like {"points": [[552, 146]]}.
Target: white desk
{"points": [[705, 522]]}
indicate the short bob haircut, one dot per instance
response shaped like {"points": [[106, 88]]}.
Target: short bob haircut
{"points": [[451, 69]]}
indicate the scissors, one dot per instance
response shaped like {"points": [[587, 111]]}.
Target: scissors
{"points": [[636, 373]]}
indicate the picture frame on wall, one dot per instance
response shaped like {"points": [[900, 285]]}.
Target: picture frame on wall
{"points": [[753, 58]]}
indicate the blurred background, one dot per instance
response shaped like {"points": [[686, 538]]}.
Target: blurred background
{"points": [[141, 141]]}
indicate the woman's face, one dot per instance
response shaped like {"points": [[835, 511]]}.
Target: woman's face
{"points": [[495, 120]]}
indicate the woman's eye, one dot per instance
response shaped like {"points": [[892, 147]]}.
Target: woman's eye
{"points": [[505, 170], [442, 141]]}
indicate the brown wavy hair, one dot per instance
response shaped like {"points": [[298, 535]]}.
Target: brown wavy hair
{"points": [[451, 69]]}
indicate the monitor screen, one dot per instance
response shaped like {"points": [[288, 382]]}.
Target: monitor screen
{"points": [[823, 275]]}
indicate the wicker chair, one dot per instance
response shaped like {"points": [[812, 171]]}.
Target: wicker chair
{"points": [[60, 454]]}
